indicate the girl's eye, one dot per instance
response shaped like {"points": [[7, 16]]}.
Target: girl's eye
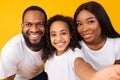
{"points": [[52, 35], [78, 24], [64, 33]]}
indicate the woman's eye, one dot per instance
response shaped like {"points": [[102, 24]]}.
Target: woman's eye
{"points": [[78, 24], [91, 21]]}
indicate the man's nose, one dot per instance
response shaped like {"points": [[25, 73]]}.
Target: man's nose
{"points": [[34, 28]]}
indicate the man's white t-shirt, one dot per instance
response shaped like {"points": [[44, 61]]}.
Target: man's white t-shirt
{"points": [[103, 57], [17, 58], [62, 67]]}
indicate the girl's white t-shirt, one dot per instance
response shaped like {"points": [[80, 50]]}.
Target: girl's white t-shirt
{"points": [[62, 67]]}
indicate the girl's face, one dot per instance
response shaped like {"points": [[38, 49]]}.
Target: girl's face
{"points": [[88, 26], [59, 36]]}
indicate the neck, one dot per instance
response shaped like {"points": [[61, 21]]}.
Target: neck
{"points": [[34, 48], [98, 44]]}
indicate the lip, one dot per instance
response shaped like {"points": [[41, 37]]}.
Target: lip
{"points": [[35, 36], [87, 36], [60, 44]]}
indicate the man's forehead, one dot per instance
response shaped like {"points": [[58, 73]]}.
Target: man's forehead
{"points": [[34, 13], [34, 16]]}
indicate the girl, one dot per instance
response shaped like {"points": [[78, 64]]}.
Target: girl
{"points": [[64, 55]]}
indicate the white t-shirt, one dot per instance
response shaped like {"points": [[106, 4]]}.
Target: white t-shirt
{"points": [[17, 58], [62, 67], [103, 57]]}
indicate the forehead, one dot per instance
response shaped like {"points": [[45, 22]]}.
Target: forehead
{"points": [[34, 15], [58, 25], [84, 14]]}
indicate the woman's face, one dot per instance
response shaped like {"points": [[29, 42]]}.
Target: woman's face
{"points": [[88, 26]]}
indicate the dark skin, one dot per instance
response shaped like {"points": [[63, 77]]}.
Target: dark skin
{"points": [[10, 78], [117, 62]]}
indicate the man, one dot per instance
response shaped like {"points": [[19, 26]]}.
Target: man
{"points": [[21, 56]]}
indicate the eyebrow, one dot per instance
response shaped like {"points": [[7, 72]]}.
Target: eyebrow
{"points": [[87, 18], [91, 18], [52, 32], [35, 23], [60, 31], [63, 30]]}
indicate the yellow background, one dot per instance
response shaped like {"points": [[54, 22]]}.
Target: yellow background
{"points": [[11, 13]]}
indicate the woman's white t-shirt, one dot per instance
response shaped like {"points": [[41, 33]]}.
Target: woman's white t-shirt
{"points": [[103, 57]]}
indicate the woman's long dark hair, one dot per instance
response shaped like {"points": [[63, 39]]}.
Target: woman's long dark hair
{"points": [[102, 17]]}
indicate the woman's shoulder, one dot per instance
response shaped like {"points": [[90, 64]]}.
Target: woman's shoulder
{"points": [[114, 39]]}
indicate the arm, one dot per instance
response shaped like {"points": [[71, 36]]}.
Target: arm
{"points": [[109, 73], [10, 78], [117, 62], [83, 70], [86, 72], [8, 65]]}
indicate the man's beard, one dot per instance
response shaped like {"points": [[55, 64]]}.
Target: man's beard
{"points": [[35, 46]]}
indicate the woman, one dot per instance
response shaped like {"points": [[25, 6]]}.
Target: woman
{"points": [[100, 42]]}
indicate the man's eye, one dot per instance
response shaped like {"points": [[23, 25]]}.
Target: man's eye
{"points": [[40, 24], [28, 24]]}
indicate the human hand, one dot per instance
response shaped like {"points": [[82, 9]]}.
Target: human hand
{"points": [[108, 73]]}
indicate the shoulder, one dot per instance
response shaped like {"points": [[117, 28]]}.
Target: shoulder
{"points": [[114, 43], [12, 44], [77, 50], [13, 41], [11, 52], [81, 42], [114, 40], [77, 53]]}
